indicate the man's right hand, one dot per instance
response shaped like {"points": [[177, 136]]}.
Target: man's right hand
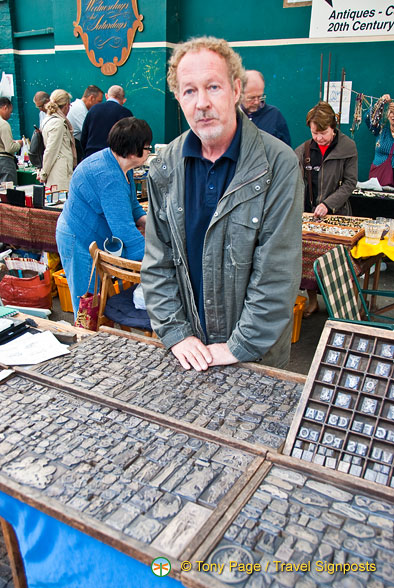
{"points": [[191, 352]]}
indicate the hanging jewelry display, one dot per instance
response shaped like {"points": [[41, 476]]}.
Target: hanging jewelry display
{"points": [[358, 113], [377, 112]]}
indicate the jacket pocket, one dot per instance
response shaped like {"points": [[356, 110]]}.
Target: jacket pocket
{"points": [[243, 237]]}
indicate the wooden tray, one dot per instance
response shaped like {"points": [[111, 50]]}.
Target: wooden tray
{"points": [[349, 394], [352, 223]]}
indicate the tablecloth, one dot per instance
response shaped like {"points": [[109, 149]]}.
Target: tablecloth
{"points": [[29, 228], [363, 249]]}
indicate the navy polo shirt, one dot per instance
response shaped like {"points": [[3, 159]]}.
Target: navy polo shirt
{"points": [[205, 182]]}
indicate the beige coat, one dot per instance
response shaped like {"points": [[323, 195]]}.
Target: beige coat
{"points": [[57, 165]]}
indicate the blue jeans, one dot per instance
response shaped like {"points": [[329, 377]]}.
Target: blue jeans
{"points": [[76, 261]]}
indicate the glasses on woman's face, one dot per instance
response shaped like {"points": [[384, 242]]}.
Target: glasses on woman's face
{"points": [[148, 148]]}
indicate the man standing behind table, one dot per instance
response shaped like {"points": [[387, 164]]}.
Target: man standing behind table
{"points": [[268, 118], [101, 118], [222, 262], [40, 100], [8, 147], [78, 111]]}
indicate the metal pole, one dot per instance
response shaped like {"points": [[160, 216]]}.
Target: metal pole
{"points": [[340, 98], [321, 76], [328, 76]]}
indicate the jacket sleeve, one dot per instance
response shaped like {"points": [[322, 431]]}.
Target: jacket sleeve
{"points": [[348, 183], [10, 146], [85, 131], [158, 275], [275, 277], [53, 144]]}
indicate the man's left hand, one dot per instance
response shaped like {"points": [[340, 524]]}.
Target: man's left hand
{"points": [[221, 354]]}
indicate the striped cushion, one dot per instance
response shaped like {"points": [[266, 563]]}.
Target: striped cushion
{"points": [[336, 275]]}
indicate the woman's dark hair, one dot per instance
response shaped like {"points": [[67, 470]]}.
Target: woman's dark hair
{"points": [[129, 136], [323, 116]]}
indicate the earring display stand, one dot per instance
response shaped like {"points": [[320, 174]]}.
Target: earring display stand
{"points": [[345, 419]]}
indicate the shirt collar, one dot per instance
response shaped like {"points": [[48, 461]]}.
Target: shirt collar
{"points": [[192, 144]]}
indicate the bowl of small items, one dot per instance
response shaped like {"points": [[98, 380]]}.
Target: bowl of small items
{"points": [[373, 231]]}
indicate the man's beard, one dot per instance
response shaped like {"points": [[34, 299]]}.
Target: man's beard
{"points": [[208, 133]]}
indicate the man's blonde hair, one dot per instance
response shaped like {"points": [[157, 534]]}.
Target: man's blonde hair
{"points": [[219, 46]]}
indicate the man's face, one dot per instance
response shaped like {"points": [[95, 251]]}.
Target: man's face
{"points": [[206, 97], [253, 92], [5, 112], [94, 99]]}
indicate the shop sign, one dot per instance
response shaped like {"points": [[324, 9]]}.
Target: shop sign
{"points": [[107, 29], [351, 18]]}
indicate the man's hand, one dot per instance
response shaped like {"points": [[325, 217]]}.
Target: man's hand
{"points": [[221, 354], [140, 224], [191, 352]]}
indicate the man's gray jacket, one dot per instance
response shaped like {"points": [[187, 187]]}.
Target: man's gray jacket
{"points": [[251, 258]]}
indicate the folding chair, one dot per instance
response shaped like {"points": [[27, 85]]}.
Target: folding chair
{"points": [[119, 308], [342, 293]]}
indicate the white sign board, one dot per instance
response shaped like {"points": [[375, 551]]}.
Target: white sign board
{"points": [[351, 18], [334, 98]]}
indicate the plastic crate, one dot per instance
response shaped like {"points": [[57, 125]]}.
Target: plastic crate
{"points": [[64, 291], [298, 310]]}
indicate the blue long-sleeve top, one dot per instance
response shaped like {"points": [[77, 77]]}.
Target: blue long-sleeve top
{"points": [[103, 203], [384, 141]]}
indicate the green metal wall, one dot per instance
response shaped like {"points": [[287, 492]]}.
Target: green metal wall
{"points": [[291, 70]]}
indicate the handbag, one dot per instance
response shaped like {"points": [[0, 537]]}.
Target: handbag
{"points": [[89, 304], [384, 171], [27, 284]]}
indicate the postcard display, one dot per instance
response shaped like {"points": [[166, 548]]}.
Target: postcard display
{"points": [[345, 419], [115, 439]]}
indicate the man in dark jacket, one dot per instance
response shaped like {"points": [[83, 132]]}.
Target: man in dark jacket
{"points": [[222, 261], [101, 118], [265, 116]]}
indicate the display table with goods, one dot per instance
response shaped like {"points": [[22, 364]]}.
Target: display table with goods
{"points": [[117, 467], [372, 203], [318, 237]]}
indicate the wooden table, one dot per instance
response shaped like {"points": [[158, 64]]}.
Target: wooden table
{"points": [[29, 228]]}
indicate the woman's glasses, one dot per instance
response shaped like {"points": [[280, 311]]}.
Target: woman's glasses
{"points": [[148, 148]]}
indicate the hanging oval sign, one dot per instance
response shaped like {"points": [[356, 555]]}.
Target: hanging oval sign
{"points": [[107, 29]]}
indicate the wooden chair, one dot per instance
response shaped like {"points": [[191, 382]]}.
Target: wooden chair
{"points": [[107, 267], [342, 293]]}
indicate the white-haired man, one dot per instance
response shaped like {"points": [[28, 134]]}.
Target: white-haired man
{"points": [[222, 261]]}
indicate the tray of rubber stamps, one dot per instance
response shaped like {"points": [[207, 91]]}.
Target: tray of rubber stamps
{"points": [[345, 419], [346, 230]]}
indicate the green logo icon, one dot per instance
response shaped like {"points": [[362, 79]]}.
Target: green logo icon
{"points": [[161, 566]]}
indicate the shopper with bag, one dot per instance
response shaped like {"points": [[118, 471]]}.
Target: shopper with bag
{"points": [[102, 202], [381, 124], [8, 147], [60, 155]]}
